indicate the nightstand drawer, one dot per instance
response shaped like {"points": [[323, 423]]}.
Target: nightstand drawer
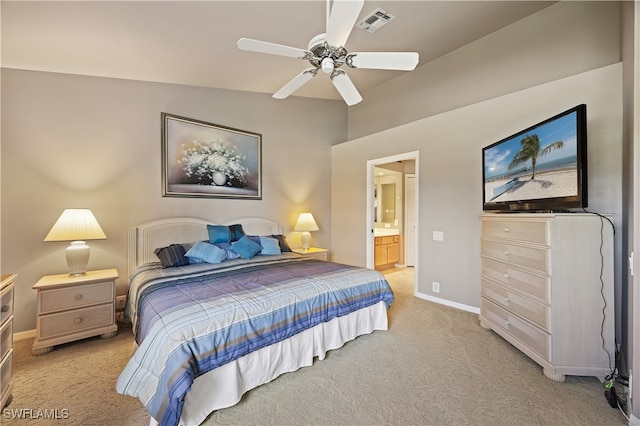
{"points": [[5, 373], [6, 338], [6, 304], [56, 300], [75, 321]]}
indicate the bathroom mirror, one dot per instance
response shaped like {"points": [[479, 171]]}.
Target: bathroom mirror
{"points": [[388, 202]]}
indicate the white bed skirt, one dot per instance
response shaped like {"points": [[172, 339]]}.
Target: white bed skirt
{"points": [[224, 386]]}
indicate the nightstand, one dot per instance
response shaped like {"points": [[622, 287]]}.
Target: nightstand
{"points": [[313, 252], [74, 307]]}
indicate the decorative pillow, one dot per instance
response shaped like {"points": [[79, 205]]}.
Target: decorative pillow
{"points": [[230, 253], [218, 234], [172, 255], [206, 252], [282, 241], [246, 247], [270, 246], [236, 232]]}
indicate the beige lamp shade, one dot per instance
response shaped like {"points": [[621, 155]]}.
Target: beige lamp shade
{"points": [[76, 225], [306, 223]]}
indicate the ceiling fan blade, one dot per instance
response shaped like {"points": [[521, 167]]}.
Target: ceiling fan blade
{"points": [[344, 14], [346, 88], [271, 48], [297, 82], [403, 61]]}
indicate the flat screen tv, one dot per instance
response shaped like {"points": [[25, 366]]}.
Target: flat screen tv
{"points": [[541, 168]]}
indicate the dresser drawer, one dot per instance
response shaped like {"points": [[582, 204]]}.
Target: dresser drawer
{"points": [[525, 332], [527, 257], [76, 321], [6, 304], [534, 311], [534, 232], [5, 372], [6, 338], [538, 286], [55, 300]]}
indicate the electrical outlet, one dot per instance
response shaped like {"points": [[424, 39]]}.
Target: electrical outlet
{"points": [[435, 286], [121, 301]]}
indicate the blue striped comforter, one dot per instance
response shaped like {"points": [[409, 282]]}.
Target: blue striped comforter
{"points": [[190, 320]]}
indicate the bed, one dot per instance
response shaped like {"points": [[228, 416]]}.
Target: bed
{"points": [[206, 332]]}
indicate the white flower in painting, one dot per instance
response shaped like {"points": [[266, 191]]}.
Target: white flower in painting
{"points": [[203, 160]]}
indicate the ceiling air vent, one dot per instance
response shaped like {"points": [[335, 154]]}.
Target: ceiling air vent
{"points": [[375, 20]]}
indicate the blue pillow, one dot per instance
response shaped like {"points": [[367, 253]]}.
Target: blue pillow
{"points": [[230, 253], [246, 247], [270, 246], [206, 252], [218, 234]]}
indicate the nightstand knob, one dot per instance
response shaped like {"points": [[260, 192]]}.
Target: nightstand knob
{"points": [[77, 321], [79, 296]]}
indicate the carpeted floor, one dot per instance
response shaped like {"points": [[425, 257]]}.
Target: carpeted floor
{"points": [[434, 366]]}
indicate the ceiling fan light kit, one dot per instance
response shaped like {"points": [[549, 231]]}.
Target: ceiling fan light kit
{"points": [[327, 52]]}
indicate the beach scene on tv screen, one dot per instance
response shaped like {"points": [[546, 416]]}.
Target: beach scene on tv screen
{"points": [[539, 163]]}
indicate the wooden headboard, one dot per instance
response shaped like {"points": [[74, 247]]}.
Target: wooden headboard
{"points": [[146, 237]]}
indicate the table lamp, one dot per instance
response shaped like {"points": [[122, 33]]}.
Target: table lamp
{"points": [[76, 225], [306, 223]]}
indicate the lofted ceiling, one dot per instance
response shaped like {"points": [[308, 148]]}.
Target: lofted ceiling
{"points": [[194, 43]]}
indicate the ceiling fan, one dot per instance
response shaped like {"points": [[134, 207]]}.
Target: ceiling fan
{"points": [[327, 52]]}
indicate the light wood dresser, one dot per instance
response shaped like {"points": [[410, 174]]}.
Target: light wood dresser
{"points": [[74, 307], [6, 339], [547, 288]]}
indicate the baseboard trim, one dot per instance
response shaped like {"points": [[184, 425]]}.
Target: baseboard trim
{"points": [[24, 335], [449, 303]]}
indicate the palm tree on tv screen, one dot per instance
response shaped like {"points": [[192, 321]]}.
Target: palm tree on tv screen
{"points": [[531, 151]]}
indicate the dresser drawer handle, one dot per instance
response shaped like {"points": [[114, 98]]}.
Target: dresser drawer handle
{"points": [[5, 308], [506, 229], [507, 276], [506, 253], [77, 321], [78, 296]]}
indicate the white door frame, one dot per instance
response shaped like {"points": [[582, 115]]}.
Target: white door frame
{"points": [[371, 164], [408, 176]]}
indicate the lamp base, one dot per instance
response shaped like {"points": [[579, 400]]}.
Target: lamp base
{"points": [[306, 239], [77, 258]]}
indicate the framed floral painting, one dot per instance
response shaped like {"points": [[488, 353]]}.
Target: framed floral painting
{"points": [[202, 159]]}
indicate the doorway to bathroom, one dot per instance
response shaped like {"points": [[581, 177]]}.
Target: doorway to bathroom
{"points": [[392, 212]]}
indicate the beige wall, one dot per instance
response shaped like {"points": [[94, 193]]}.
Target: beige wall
{"points": [[450, 173], [561, 40], [75, 141], [476, 95]]}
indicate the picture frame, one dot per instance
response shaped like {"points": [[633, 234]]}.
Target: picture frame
{"points": [[206, 160]]}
